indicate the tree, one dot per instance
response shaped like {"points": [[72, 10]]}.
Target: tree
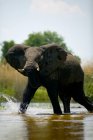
{"points": [[38, 39], [5, 46]]}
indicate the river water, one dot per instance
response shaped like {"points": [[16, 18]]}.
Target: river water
{"points": [[39, 123]]}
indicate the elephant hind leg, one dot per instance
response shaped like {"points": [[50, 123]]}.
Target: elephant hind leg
{"points": [[79, 96], [83, 100]]}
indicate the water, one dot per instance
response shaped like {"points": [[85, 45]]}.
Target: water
{"points": [[39, 123]]}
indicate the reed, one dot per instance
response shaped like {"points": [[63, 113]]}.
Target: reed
{"points": [[13, 83], [88, 69]]}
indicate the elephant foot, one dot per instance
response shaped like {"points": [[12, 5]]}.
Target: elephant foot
{"points": [[58, 113], [67, 111], [90, 110], [21, 112], [23, 108]]}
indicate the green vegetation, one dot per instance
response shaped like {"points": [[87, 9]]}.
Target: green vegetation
{"points": [[5, 46], [1, 107], [41, 95], [88, 85], [38, 39]]}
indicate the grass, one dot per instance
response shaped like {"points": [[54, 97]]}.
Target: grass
{"points": [[88, 69], [1, 107], [88, 85], [13, 83], [41, 95]]}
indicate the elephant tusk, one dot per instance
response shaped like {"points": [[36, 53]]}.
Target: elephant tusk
{"points": [[37, 68], [21, 70]]}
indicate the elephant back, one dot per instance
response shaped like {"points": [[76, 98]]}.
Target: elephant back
{"points": [[71, 71], [52, 57]]}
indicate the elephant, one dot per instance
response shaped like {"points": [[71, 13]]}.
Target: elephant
{"points": [[54, 68]]}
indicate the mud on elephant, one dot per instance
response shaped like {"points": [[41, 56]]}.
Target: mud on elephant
{"points": [[55, 69]]}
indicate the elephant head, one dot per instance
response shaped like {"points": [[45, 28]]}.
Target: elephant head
{"points": [[16, 57]]}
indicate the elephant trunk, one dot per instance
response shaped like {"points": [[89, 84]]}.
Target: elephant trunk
{"points": [[33, 75]]}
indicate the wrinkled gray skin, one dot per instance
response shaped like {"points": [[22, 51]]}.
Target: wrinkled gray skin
{"points": [[55, 69]]}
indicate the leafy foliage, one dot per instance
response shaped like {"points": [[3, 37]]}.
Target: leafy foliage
{"points": [[38, 39], [6, 45]]}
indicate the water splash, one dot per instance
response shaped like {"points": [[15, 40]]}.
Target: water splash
{"points": [[10, 104]]}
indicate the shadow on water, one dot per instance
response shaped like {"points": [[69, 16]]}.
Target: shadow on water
{"points": [[36, 125]]}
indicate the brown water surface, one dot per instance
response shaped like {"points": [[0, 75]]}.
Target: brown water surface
{"points": [[42, 126]]}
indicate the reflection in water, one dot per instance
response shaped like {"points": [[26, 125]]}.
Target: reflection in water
{"points": [[14, 126], [64, 127]]}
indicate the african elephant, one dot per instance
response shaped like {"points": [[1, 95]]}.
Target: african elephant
{"points": [[55, 69]]}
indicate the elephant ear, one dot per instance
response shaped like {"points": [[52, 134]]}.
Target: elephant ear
{"points": [[16, 56], [51, 59]]}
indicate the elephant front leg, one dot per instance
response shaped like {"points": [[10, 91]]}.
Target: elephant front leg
{"points": [[53, 95], [27, 96], [66, 103]]}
